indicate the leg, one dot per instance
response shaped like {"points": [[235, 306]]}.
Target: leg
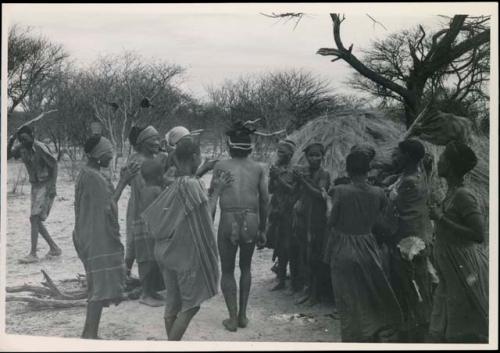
{"points": [[173, 303], [181, 323], [94, 311], [228, 283], [294, 265], [282, 264], [35, 223], [246, 253], [54, 249], [147, 276]]}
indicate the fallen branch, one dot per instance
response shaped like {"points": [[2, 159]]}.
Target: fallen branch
{"points": [[56, 293], [28, 288], [47, 303]]}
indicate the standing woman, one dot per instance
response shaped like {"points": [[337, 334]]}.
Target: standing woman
{"points": [[460, 311], [309, 223], [97, 234], [146, 142], [410, 277], [282, 200], [368, 308]]}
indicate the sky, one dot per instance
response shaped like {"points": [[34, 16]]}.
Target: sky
{"points": [[218, 42]]}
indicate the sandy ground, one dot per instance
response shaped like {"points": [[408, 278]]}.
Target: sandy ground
{"points": [[273, 315]]}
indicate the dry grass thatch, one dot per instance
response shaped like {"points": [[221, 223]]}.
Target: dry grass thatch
{"points": [[339, 132]]}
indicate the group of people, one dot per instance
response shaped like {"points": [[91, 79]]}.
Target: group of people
{"points": [[399, 267]]}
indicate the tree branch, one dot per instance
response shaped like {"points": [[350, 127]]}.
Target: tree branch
{"points": [[345, 54]]}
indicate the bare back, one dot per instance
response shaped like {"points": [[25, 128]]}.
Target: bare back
{"points": [[246, 189]]}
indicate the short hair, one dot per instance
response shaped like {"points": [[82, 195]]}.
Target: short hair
{"points": [[151, 169], [186, 148], [462, 158], [134, 133], [315, 145], [25, 130], [342, 181], [365, 148], [413, 148], [357, 163], [91, 143], [239, 133]]}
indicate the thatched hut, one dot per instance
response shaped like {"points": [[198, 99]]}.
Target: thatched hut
{"points": [[338, 132]]}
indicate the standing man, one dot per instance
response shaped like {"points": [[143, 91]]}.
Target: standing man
{"points": [[42, 171], [242, 222]]}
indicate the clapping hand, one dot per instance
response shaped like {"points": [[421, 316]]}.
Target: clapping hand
{"points": [[435, 212], [129, 171], [209, 164]]}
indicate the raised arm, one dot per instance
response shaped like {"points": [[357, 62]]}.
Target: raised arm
{"points": [[219, 181], [126, 174]]}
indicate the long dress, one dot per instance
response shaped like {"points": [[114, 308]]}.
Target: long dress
{"points": [[97, 237], [460, 311], [365, 300], [309, 224], [411, 280], [280, 227]]}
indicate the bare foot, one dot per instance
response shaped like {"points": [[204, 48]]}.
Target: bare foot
{"points": [[279, 286], [230, 325], [302, 299], [150, 301], [54, 253], [242, 321], [157, 296], [29, 259], [312, 302]]}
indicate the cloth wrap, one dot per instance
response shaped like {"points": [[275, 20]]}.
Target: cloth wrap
{"points": [[96, 237], [185, 247]]}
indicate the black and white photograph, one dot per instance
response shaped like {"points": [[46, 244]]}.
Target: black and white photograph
{"points": [[253, 176]]}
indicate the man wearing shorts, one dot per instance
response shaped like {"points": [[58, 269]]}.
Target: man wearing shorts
{"points": [[42, 171]]}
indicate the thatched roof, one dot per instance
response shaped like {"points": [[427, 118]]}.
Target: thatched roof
{"points": [[338, 132]]}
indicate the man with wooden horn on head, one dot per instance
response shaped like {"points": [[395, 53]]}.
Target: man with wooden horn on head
{"points": [[146, 142], [42, 170], [243, 220]]}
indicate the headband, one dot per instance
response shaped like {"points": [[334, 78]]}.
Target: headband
{"points": [[103, 146], [145, 134]]}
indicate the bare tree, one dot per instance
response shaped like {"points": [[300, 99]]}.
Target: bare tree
{"points": [[404, 66], [32, 59]]}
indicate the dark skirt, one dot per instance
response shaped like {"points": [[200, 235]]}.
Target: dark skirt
{"points": [[460, 312], [364, 298]]}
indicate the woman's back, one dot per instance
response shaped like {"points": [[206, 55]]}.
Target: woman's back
{"points": [[356, 208]]}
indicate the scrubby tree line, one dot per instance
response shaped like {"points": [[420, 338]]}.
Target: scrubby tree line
{"points": [[402, 72]]}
